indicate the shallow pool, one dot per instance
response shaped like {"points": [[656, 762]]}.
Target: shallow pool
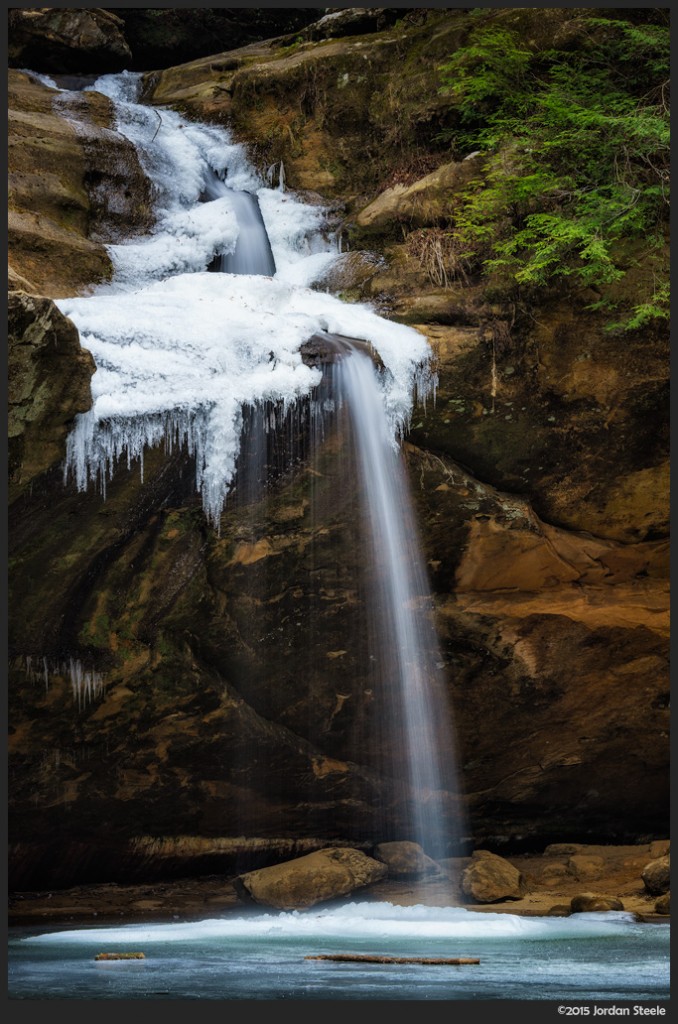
{"points": [[260, 955]]}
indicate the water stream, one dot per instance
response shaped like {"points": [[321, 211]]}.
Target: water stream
{"points": [[258, 956]]}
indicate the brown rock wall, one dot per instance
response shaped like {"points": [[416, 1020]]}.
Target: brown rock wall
{"points": [[49, 382]]}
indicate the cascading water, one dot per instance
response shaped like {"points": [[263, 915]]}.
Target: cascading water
{"points": [[402, 635], [213, 361], [252, 253]]}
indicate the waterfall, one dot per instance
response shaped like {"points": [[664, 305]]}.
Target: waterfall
{"points": [[252, 253], [402, 636], [213, 362]]}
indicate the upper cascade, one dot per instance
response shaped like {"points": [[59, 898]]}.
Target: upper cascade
{"points": [[180, 351]]}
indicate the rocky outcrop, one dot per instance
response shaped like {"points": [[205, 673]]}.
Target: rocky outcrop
{"points": [[337, 22], [165, 37], [62, 39], [343, 116], [490, 879], [74, 185], [316, 878], [424, 203], [49, 382]]}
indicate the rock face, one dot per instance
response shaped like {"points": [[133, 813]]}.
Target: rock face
{"points": [[74, 184], [164, 37], [490, 879], [162, 686], [83, 40], [49, 382], [303, 882], [57, 39]]}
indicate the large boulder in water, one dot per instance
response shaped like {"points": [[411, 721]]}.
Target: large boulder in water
{"points": [[317, 877]]}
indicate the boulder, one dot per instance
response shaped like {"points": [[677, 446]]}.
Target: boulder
{"points": [[559, 910], [406, 860], [350, 273], [554, 874], [587, 902], [585, 867], [656, 876], [490, 879], [315, 878], [426, 201], [663, 904]]}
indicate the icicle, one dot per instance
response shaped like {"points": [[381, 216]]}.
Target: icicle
{"points": [[86, 685]]}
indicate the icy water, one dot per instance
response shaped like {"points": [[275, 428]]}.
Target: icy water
{"points": [[263, 956]]}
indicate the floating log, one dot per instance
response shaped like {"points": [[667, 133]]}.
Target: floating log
{"points": [[366, 959], [120, 956]]}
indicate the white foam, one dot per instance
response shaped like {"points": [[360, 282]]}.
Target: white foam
{"points": [[45, 80], [359, 920]]}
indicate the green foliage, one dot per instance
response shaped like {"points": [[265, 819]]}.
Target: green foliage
{"points": [[655, 308], [492, 67], [576, 147]]}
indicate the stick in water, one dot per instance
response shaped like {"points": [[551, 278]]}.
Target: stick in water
{"points": [[360, 958]]}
